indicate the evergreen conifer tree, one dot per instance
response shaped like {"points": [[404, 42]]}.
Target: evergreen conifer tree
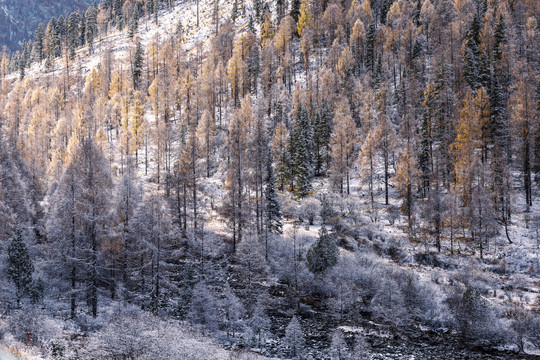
{"points": [[39, 36], [19, 266], [301, 147], [295, 10], [322, 130], [138, 59], [370, 46], [323, 254], [274, 219]]}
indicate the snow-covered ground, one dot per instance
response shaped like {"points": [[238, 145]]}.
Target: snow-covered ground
{"points": [[184, 13], [4, 355]]}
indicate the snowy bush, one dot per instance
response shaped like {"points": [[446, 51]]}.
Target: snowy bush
{"points": [[259, 324], [388, 305], [421, 300], [474, 318], [32, 327], [526, 328], [289, 208], [309, 209], [141, 336]]}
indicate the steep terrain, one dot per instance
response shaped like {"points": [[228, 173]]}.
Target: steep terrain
{"points": [[20, 18], [258, 192]]}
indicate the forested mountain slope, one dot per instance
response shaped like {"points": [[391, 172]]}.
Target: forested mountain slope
{"points": [[313, 179], [20, 18]]}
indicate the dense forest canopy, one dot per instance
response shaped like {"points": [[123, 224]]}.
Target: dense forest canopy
{"points": [[263, 162]]}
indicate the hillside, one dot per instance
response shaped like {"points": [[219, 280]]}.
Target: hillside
{"points": [[306, 180], [19, 19]]}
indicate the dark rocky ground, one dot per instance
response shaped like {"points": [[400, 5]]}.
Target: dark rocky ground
{"points": [[382, 342]]}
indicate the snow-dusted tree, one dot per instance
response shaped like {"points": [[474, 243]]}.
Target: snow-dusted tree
{"points": [[339, 349], [237, 141], [474, 318], [91, 27], [361, 349], [206, 133], [357, 41], [137, 63], [522, 120], [435, 209], [342, 145], [309, 208], [257, 157], [156, 236], [294, 338], [301, 147], [234, 313], [19, 266], [236, 71], [274, 218], [203, 309], [138, 124], [407, 175], [259, 322], [322, 132], [188, 164], [323, 254], [482, 217], [79, 217], [126, 200]]}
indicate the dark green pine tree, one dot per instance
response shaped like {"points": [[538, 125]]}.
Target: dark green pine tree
{"points": [[301, 146], [39, 36], [137, 66], [73, 34], [107, 4], [280, 5], [484, 74], [258, 6], [323, 254], [322, 130], [500, 38], [82, 30], [118, 15], [370, 46], [22, 61], [134, 22], [537, 137], [436, 127], [474, 69], [496, 129], [234, 11], [385, 6], [295, 10], [274, 218], [499, 145], [282, 170], [53, 40], [417, 11], [19, 266], [61, 28], [91, 27], [426, 145]]}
